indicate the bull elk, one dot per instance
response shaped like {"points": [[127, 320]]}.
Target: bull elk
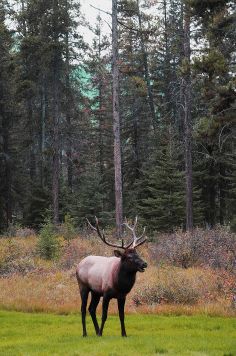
{"points": [[109, 277]]}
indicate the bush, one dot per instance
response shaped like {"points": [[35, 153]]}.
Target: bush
{"points": [[72, 254], [25, 232], [12, 229], [9, 251], [48, 245], [22, 265], [177, 286], [215, 248]]}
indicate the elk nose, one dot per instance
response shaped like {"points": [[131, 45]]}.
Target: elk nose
{"points": [[144, 265]]}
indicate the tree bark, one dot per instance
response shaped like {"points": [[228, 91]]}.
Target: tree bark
{"points": [[116, 122], [187, 118], [146, 70], [7, 177], [56, 156], [68, 115], [42, 137], [55, 114]]}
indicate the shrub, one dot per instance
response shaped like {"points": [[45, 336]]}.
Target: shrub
{"points": [[22, 265], [72, 254], [9, 251], [25, 232], [12, 229], [48, 244], [177, 286], [215, 248]]}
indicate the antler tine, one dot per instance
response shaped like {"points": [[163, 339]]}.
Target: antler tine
{"points": [[129, 227], [102, 235], [144, 229], [135, 222], [136, 240], [141, 242], [92, 227], [142, 237]]}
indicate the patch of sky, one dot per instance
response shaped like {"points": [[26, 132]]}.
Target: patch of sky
{"points": [[84, 79]]}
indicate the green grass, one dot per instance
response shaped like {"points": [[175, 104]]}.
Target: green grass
{"points": [[48, 334]]}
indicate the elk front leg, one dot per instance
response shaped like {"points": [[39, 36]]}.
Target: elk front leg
{"points": [[121, 307], [105, 305]]}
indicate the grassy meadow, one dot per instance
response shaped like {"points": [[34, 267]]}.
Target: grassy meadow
{"points": [[182, 305], [48, 334]]}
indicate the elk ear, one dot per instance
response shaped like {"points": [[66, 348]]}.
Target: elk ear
{"points": [[117, 253]]}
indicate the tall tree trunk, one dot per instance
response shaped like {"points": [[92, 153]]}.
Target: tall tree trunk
{"points": [[42, 131], [167, 67], [55, 113], [187, 117], [56, 156], [7, 178], [146, 69], [32, 144], [69, 128], [116, 122], [68, 115], [136, 129], [29, 106], [100, 116]]}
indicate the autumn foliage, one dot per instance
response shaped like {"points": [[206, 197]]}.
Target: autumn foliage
{"points": [[187, 274]]}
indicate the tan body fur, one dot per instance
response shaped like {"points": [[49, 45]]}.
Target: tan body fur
{"points": [[98, 272]]}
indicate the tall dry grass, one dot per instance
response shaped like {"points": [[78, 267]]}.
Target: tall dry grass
{"points": [[29, 283]]}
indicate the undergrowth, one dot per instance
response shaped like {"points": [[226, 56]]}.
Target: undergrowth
{"points": [[29, 282]]}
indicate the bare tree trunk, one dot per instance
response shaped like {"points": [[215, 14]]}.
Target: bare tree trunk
{"points": [[100, 117], [32, 145], [146, 69], [167, 68], [7, 175], [56, 156], [55, 113], [42, 131], [69, 128], [116, 122], [68, 116], [187, 118]]}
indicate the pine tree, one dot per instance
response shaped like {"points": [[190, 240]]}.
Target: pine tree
{"points": [[213, 70], [46, 94], [161, 199]]}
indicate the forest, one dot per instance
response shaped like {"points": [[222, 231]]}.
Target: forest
{"points": [[139, 122], [134, 124]]}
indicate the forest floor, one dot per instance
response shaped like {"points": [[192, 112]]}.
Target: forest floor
{"points": [[50, 334]]}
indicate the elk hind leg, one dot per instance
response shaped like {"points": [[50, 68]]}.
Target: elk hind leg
{"points": [[84, 291], [105, 305], [92, 309]]}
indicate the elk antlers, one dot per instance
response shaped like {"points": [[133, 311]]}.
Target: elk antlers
{"points": [[137, 241]]}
